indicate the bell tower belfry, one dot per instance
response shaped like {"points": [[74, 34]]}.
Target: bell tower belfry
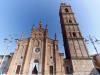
{"points": [[77, 57]]}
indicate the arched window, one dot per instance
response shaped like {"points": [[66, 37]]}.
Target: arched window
{"points": [[70, 21], [18, 69], [74, 34], [51, 70], [66, 9], [36, 43]]}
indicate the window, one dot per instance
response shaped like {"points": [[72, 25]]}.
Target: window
{"points": [[37, 50], [74, 34], [36, 43], [70, 21], [67, 68], [18, 69], [51, 57], [51, 70], [36, 61], [66, 10]]}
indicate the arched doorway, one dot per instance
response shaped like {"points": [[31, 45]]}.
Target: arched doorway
{"points": [[35, 71], [36, 67]]}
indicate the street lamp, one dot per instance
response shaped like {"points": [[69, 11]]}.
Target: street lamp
{"points": [[93, 41], [8, 40]]}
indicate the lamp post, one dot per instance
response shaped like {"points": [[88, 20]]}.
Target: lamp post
{"points": [[93, 41], [8, 40], [96, 57]]}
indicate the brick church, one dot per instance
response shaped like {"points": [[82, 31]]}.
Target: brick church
{"points": [[40, 54]]}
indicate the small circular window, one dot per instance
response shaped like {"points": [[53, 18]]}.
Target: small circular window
{"points": [[37, 50]]}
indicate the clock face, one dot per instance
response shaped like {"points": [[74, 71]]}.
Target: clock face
{"points": [[37, 50]]}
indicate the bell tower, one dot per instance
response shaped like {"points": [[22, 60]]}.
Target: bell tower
{"points": [[73, 40], [77, 57]]}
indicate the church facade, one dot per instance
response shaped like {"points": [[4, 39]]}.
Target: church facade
{"points": [[39, 54]]}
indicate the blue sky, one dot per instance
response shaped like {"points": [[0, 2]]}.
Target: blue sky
{"points": [[18, 16]]}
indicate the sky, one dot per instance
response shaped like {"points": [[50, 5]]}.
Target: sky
{"points": [[17, 16]]}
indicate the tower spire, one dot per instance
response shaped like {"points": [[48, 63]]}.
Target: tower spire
{"points": [[46, 26], [55, 36], [40, 24], [33, 26], [22, 36]]}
